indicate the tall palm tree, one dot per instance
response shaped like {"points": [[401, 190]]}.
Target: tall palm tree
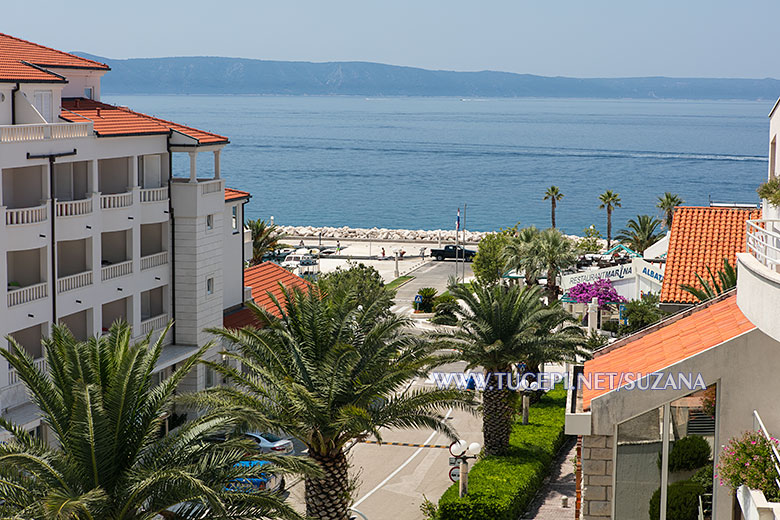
{"points": [[554, 195], [640, 233], [516, 255], [328, 375], [500, 326], [609, 201], [553, 252], [265, 238], [110, 460], [667, 203]]}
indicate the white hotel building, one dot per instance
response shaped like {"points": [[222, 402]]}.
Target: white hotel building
{"points": [[94, 228]]}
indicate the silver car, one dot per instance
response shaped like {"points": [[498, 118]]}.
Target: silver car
{"points": [[270, 443]]}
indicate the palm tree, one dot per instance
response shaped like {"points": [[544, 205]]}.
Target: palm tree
{"points": [[328, 375], [500, 326], [640, 233], [265, 238], [667, 203], [110, 460], [719, 283], [516, 255], [609, 201], [554, 195], [553, 252]]}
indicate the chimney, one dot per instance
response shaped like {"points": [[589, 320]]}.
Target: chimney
{"points": [[77, 102], [98, 112]]}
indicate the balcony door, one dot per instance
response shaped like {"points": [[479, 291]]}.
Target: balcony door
{"points": [[151, 171], [42, 102]]}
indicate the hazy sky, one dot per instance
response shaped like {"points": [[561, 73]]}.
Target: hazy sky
{"points": [[713, 38]]}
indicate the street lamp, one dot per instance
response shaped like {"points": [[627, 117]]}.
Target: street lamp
{"points": [[463, 451]]}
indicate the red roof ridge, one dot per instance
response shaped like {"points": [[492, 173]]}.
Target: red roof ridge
{"points": [[234, 194], [98, 64]]}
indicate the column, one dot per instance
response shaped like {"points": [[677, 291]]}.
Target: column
{"points": [[216, 164], [132, 170], [93, 176], [193, 167]]}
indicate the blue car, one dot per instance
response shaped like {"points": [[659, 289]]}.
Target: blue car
{"points": [[260, 483]]}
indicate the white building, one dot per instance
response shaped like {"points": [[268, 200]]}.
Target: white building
{"points": [[94, 227]]}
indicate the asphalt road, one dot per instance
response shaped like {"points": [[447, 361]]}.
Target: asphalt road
{"points": [[433, 274]]}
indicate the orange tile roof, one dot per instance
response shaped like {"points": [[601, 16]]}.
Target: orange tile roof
{"points": [[19, 58], [700, 329], [702, 237], [110, 120], [264, 278], [231, 194]]}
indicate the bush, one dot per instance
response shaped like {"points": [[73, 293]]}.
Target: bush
{"points": [[690, 452], [501, 488], [428, 295], [610, 326], [747, 460], [704, 477], [770, 191], [682, 501], [445, 306], [641, 313]]}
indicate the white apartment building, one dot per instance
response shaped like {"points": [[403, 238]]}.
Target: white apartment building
{"points": [[95, 228]]}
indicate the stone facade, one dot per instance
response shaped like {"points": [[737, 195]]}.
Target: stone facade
{"points": [[597, 468]]}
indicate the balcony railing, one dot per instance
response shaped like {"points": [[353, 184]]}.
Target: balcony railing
{"points": [[73, 208], [116, 200], [763, 242], [28, 294], [39, 363], [157, 259], [210, 186], [42, 131], [17, 216], [116, 270], [154, 194], [156, 323], [74, 281]]}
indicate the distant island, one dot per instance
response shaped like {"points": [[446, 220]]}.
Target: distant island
{"points": [[216, 75]]}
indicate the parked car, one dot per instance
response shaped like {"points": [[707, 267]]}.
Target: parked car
{"points": [[451, 252], [270, 443], [263, 482], [295, 260]]}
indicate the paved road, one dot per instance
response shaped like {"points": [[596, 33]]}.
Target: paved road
{"points": [[433, 274]]}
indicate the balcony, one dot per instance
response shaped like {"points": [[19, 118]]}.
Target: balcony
{"points": [[112, 271], [44, 131], [73, 208], [40, 364], [155, 323], [155, 260], [758, 283], [154, 194], [74, 281], [116, 200], [20, 216], [28, 294]]}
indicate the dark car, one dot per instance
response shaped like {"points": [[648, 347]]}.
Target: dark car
{"points": [[451, 251]]}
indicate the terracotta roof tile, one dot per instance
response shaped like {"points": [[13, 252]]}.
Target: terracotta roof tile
{"points": [[701, 237], [14, 52], [264, 278], [231, 194], [110, 120], [682, 338]]}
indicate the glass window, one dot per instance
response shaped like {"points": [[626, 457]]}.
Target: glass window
{"points": [[42, 103], [88, 92], [210, 286], [209, 222], [235, 219]]}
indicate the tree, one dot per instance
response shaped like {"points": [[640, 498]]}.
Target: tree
{"points": [[589, 243], [265, 238], [516, 255], [725, 280], [358, 284], [489, 261], [105, 414], [609, 201], [641, 313], [667, 203], [500, 326], [640, 233], [554, 195], [553, 252], [329, 374]]}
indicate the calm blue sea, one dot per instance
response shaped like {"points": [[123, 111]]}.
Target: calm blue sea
{"points": [[411, 162]]}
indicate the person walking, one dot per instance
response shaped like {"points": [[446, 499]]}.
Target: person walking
{"points": [[338, 246]]}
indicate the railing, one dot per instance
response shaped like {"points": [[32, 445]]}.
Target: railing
{"points": [[39, 363], [74, 281], [154, 194], [17, 216], [73, 208], [116, 270], [757, 422], [41, 131], [210, 187], [763, 242], [156, 323], [116, 200], [147, 262], [28, 294]]}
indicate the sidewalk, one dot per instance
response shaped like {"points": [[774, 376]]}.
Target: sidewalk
{"points": [[560, 483]]}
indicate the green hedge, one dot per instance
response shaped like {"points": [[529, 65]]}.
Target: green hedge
{"points": [[501, 488]]}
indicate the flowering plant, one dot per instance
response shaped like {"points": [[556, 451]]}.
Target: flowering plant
{"points": [[601, 289], [747, 460]]}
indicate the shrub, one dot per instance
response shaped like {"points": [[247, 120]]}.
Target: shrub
{"points": [[428, 295], [704, 477], [610, 326], [770, 191], [682, 501], [445, 306], [501, 488], [602, 289], [690, 452], [641, 313], [747, 460]]}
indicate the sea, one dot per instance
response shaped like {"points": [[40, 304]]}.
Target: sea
{"points": [[412, 162]]}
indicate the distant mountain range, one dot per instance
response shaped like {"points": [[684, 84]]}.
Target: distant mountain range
{"points": [[215, 75]]}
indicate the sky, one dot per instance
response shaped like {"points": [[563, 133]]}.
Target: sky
{"points": [[593, 38]]}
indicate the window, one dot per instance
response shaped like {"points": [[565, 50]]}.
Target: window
{"points": [[88, 92], [209, 377], [209, 286], [235, 219], [42, 103], [772, 157], [209, 222]]}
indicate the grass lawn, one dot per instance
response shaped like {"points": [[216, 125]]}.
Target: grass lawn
{"points": [[398, 282]]}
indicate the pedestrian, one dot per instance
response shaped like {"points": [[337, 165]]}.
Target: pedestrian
{"points": [[338, 246], [383, 252], [301, 244]]}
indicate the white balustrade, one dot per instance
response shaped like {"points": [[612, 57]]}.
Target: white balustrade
{"points": [[17, 216], [763, 242], [154, 194], [40, 364], [74, 281], [116, 200], [156, 323], [73, 208], [42, 131], [210, 187], [27, 294], [116, 270], [157, 259]]}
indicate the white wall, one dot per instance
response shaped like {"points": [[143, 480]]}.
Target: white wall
{"points": [[233, 264]]}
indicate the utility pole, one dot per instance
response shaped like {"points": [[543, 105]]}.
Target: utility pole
{"points": [[463, 272]]}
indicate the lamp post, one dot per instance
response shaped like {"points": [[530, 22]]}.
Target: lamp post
{"points": [[463, 451]]}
